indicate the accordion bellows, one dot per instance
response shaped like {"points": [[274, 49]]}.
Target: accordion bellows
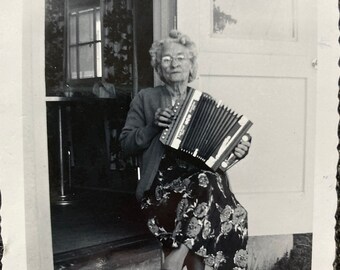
{"points": [[205, 129]]}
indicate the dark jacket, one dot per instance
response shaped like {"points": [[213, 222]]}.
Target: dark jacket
{"points": [[140, 136]]}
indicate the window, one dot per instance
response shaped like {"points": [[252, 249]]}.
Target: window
{"points": [[85, 44]]}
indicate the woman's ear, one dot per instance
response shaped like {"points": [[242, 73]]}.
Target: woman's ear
{"points": [[159, 71], [191, 73]]}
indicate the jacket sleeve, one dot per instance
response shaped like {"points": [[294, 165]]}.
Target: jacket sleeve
{"points": [[137, 134]]}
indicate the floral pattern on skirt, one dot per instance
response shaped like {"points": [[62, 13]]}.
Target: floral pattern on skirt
{"points": [[196, 208]]}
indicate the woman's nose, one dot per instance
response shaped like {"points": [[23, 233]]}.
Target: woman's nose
{"points": [[175, 62]]}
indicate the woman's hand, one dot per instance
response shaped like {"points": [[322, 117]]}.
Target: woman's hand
{"points": [[163, 117], [242, 149]]}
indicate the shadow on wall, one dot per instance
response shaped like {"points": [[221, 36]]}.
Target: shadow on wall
{"points": [[281, 252]]}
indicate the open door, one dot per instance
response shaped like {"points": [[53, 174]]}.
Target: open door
{"points": [[258, 58]]}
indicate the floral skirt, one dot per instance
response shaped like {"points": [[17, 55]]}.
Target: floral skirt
{"points": [[197, 209]]}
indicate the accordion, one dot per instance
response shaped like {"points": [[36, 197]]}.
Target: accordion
{"points": [[205, 129]]}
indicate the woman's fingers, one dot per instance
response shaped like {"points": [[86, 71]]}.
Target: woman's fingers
{"points": [[239, 153], [241, 150], [163, 117], [243, 145], [166, 113]]}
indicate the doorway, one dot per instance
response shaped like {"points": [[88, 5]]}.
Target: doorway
{"points": [[96, 61]]}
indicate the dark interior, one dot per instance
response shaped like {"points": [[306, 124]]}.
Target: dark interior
{"points": [[93, 206]]}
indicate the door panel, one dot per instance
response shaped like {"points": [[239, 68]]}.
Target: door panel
{"points": [[283, 128], [265, 73], [241, 20]]}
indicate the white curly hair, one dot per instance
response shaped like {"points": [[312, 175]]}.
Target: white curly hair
{"points": [[176, 37]]}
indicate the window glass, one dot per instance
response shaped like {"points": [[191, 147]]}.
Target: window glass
{"points": [[99, 59], [98, 26], [73, 62], [86, 61], [85, 52], [86, 26], [73, 29]]}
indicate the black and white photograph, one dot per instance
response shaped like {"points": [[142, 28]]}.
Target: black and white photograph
{"points": [[169, 135]]}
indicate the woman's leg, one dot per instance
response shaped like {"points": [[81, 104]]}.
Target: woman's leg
{"points": [[194, 262], [175, 259]]}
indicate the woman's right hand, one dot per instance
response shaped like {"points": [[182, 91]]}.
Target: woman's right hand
{"points": [[163, 117]]}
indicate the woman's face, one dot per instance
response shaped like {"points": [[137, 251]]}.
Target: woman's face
{"points": [[175, 63]]}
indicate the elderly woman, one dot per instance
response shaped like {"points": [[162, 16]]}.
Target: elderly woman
{"points": [[190, 208]]}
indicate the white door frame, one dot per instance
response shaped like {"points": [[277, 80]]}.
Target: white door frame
{"points": [[25, 210]]}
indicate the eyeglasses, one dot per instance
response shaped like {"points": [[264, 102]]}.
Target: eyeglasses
{"points": [[167, 60]]}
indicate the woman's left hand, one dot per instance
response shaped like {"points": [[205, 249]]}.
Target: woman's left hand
{"points": [[242, 149]]}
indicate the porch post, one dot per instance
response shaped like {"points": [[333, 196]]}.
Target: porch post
{"points": [[25, 212]]}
